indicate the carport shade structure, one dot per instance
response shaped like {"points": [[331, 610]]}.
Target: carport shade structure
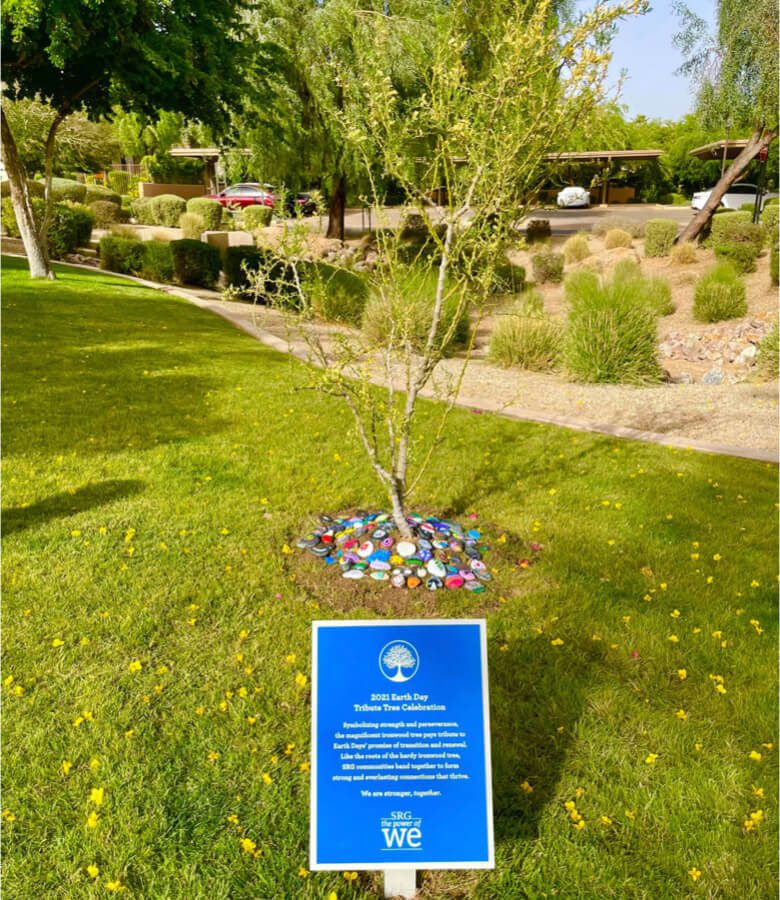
{"points": [[721, 150], [605, 157], [210, 155]]}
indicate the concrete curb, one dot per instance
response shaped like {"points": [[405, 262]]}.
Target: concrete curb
{"points": [[220, 308]]}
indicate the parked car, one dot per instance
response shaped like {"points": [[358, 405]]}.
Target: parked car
{"points": [[246, 194], [572, 196], [736, 195]]}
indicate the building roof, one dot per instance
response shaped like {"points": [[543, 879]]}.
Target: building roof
{"points": [[715, 149], [590, 156]]}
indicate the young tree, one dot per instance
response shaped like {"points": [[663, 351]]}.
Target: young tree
{"points": [[144, 55], [499, 90], [737, 73]]}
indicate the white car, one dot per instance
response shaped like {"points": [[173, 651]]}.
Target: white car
{"points": [[736, 195], [572, 197]]}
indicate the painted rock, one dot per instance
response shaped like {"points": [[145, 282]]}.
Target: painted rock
{"points": [[456, 546], [441, 545], [412, 581], [421, 572], [320, 550], [453, 582], [387, 543], [478, 566], [366, 549], [472, 552], [424, 544], [380, 576], [351, 557], [424, 555], [474, 586], [467, 576], [405, 548], [414, 561], [309, 541], [473, 533], [396, 560], [433, 583], [398, 580], [379, 534], [436, 568], [360, 565], [353, 574], [484, 575], [379, 565]]}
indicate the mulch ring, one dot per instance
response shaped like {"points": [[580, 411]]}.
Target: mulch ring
{"points": [[506, 555]]}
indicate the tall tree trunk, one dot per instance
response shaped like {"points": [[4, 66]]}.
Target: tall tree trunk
{"points": [[757, 141], [34, 241], [338, 202]]}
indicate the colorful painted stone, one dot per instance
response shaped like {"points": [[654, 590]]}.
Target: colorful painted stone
{"points": [[453, 582], [380, 576], [365, 550], [436, 568], [405, 548], [398, 580], [433, 583], [412, 582], [353, 574]]}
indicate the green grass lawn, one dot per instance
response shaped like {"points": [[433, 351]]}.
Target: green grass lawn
{"points": [[156, 461]]}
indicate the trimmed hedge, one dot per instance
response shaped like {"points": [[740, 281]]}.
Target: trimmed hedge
{"points": [[120, 181], [773, 265], [336, 295], [85, 222], [121, 254], [548, 267], [719, 295], [106, 213], [256, 217], [617, 237], [157, 261], [167, 209], [659, 237], [66, 229], [769, 219], [209, 210], [142, 211], [195, 262], [67, 189], [278, 279], [95, 192], [35, 189], [192, 226]]}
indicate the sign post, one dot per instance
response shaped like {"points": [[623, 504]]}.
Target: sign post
{"points": [[400, 748]]}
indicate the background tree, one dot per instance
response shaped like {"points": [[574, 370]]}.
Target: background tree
{"points": [[182, 55], [475, 133], [737, 73]]}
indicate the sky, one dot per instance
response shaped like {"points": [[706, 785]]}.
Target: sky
{"points": [[643, 47]]}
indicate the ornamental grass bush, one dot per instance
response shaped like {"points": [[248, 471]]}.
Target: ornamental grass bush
{"points": [[683, 254], [774, 263], [737, 240], [576, 248], [610, 336], [121, 254], [167, 209], [538, 230], [719, 294], [157, 262], [659, 237], [256, 217], [617, 237], [404, 314], [527, 341], [768, 351], [195, 262], [654, 293], [192, 226], [209, 210], [548, 267]]}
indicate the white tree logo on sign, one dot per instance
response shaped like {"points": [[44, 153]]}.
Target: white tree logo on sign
{"points": [[397, 656]]}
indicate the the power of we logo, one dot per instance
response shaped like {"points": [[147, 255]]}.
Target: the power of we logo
{"points": [[401, 831]]}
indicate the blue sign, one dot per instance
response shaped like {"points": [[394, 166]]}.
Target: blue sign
{"points": [[400, 746]]}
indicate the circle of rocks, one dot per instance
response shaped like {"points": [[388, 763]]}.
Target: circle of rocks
{"points": [[440, 554]]}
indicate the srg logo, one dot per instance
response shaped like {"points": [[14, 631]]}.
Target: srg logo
{"points": [[401, 831]]}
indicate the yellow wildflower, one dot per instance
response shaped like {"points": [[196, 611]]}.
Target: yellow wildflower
{"points": [[213, 756], [578, 826], [96, 796], [694, 873], [92, 819], [8, 816], [681, 714], [115, 886], [526, 788], [606, 821], [303, 872], [349, 876], [93, 871], [682, 674], [57, 642], [758, 792], [755, 756], [135, 666], [651, 758], [304, 766], [673, 638], [266, 778], [300, 679], [67, 765], [556, 642]]}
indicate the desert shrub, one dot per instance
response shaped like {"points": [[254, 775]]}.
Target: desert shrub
{"points": [[95, 192], [527, 341], [654, 293], [719, 294], [195, 262], [66, 229], [209, 210], [548, 267], [157, 261], [121, 254], [119, 181], [741, 255], [256, 217], [337, 295], [738, 228], [724, 221], [635, 229], [538, 230], [84, 220], [142, 211], [576, 248], [769, 219], [683, 254], [192, 225], [659, 236], [403, 313], [106, 213], [773, 265], [616, 237], [767, 361], [34, 188], [67, 189], [610, 337], [166, 210], [747, 207]]}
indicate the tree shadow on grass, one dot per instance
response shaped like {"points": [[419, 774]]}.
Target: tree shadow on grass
{"points": [[19, 518]]}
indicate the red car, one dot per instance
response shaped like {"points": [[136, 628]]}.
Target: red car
{"points": [[242, 195]]}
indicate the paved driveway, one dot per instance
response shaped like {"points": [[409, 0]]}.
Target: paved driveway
{"points": [[570, 221]]}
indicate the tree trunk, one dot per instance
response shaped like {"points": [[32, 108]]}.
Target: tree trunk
{"points": [[397, 490], [338, 201], [757, 141], [34, 241]]}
